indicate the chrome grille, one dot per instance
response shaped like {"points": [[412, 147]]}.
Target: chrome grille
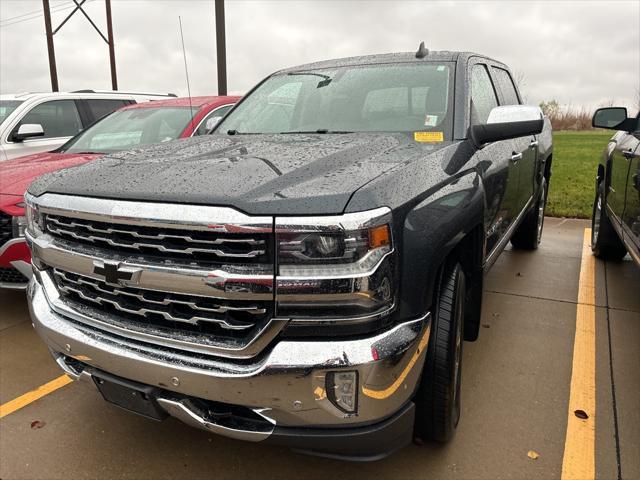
{"points": [[162, 243], [6, 228], [165, 310]]}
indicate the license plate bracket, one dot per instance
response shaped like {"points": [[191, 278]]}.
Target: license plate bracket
{"points": [[132, 396]]}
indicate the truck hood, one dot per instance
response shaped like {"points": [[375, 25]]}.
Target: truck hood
{"points": [[18, 173], [257, 174]]}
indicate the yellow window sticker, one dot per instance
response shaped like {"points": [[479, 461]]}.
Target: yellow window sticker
{"points": [[428, 136]]}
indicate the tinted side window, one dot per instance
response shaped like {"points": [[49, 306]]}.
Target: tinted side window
{"points": [[218, 112], [101, 107], [506, 87], [59, 118], [483, 96]]}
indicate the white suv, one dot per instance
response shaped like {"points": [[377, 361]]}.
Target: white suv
{"points": [[40, 122]]}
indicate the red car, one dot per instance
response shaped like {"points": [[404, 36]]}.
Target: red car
{"points": [[128, 127]]}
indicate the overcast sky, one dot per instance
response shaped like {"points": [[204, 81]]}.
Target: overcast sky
{"points": [[583, 53]]}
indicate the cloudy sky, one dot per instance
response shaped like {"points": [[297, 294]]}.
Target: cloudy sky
{"points": [[582, 53]]}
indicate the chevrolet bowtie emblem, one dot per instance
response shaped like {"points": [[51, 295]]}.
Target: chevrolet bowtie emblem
{"points": [[116, 274]]}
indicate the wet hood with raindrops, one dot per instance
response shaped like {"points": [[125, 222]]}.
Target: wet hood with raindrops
{"points": [[257, 174]]}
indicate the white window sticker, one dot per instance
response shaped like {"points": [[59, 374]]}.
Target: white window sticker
{"points": [[430, 120]]}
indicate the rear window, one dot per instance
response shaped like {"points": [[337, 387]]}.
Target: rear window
{"points": [[101, 107]]}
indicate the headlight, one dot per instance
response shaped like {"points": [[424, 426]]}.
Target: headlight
{"points": [[34, 222], [337, 267], [19, 225]]}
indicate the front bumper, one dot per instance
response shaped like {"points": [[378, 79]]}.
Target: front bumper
{"points": [[15, 264], [285, 384]]}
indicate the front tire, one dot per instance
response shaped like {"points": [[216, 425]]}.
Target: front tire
{"points": [[438, 397], [605, 242], [528, 235]]}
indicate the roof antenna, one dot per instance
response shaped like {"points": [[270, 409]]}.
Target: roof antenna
{"points": [[186, 72], [422, 51]]}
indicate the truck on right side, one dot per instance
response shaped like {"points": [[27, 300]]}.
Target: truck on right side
{"points": [[616, 209]]}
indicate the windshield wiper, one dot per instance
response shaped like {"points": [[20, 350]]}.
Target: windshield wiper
{"points": [[320, 130], [327, 79], [321, 75]]}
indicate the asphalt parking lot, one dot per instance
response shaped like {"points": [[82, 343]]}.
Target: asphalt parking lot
{"points": [[522, 381]]}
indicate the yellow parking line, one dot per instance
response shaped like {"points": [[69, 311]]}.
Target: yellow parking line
{"points": [[33, 395], [579, 446]]}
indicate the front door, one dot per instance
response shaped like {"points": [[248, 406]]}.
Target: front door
{"points": [[631, 212], [500, 161], [527, 149], [60, 121], [618, 175]]}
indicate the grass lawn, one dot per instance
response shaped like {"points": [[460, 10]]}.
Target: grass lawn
{"points": [[574, 168]]}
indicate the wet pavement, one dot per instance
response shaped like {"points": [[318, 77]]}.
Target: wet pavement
{"points": [[515, 393]]}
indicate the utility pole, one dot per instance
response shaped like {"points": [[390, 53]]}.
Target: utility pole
{"points": [[221, 48], [112, 52], [53, 72], [50, 33]]}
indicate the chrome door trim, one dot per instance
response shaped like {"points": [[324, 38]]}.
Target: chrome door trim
{"points": [[495, 253]]}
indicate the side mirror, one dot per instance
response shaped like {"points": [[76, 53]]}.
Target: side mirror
{"points": [[211, 123], [28, 130], [511, 121], [613, 118]]}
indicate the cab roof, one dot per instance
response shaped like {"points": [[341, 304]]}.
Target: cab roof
{"points": [[402, 57]]}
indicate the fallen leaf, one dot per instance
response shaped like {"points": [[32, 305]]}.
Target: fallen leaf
{"points": [[581, 414], [37, 424], [532, 455]]}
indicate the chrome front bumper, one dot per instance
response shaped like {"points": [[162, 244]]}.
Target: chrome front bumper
{"points": [[21, 266], [285, 384]]}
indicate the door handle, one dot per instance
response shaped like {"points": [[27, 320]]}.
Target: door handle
{"points": [[533, 144], [636, 181], [516, 157]]}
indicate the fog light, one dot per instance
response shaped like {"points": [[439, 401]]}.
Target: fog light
{"points": [[342, 390]]}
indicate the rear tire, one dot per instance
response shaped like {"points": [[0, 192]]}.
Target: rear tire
{"points": [[605, 242], [529, 233], [438, 396]]}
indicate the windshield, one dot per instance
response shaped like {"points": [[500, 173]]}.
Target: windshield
{"points": [[130, 128], [6, 107], [370, 98]]}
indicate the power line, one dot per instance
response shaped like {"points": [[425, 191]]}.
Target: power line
{"points": [[22, 15], [31, 16], [34, 15]]}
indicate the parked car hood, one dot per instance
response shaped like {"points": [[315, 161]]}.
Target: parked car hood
{"points": [[18, 173], [258, 174]]}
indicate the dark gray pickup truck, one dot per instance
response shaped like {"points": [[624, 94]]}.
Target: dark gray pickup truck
{"points": [[615, 223], [305, 275]]}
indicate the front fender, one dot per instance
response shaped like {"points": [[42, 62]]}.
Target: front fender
{"points": [[430, 231]]}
